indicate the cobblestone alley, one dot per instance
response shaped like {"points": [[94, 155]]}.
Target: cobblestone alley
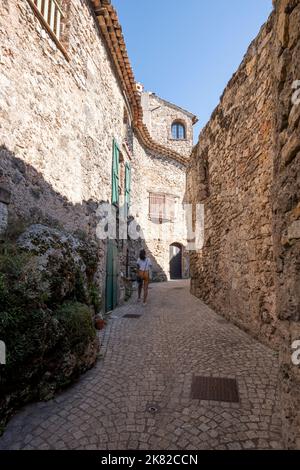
{"points": [[139, 394]]}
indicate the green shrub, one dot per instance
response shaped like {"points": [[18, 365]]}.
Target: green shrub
{"points": [[75, 321], [48, 344], [95, 298]]}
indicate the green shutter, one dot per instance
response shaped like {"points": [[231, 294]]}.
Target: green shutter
{"points": [[115, 174], [127, 184]]}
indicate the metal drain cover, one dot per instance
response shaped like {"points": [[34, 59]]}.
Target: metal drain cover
{"points": [[215, 389]]}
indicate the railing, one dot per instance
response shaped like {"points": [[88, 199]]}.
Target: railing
{"points": [[52, 14]]}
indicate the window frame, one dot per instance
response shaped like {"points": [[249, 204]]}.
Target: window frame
{"points": [[178, 125]]}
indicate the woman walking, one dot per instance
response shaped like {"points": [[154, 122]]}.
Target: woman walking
{"points": [[143, 275]]}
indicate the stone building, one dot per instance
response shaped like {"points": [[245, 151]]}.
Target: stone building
{"points": [[163, 183], [245, 170], [73, 137]]}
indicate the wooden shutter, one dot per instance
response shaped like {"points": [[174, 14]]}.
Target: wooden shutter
{"points": [[115, 174], [52, 13], [162, 207], [156, 206]]}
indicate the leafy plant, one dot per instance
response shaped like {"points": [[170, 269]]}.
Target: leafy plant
{"points": [[95, 298]]}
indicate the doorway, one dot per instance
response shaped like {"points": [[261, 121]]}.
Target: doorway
{"points": [[175, 261]]}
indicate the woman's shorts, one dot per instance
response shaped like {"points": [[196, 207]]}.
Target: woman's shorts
{"points": [[143, 276]]}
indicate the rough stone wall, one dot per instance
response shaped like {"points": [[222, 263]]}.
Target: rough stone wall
{"points": [[65, 128], [58, 119], [231, 173], [245, 169], [159, 116], [286, 206]]}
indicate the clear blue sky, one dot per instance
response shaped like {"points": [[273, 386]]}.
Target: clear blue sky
{"points": [[187, 50]]}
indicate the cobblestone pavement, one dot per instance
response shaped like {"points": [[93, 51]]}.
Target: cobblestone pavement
{"points": [[151, 361]]}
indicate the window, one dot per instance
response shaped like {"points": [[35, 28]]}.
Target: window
{"points": [[52, 14], [161, 208], [178, 131]]}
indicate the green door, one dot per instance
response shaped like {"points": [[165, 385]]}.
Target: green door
{"points": [[112, 276]]}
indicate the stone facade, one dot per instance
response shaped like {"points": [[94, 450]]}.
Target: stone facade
{"points": [[60, 113], [159, 115], [158, 175], [155, 175], [245, 170]]}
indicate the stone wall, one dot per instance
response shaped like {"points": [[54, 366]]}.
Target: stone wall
{"points": [[56, 129], [245, 170], [286, 206], [231, 173]]}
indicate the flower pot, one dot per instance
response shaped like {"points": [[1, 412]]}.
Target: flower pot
{"points": [[99, 324]]}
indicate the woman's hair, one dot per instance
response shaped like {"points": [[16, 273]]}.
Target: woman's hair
{"points": [[143, 255]]}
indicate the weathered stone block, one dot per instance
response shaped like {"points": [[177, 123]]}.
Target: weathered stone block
{"points": [[294, 230], [4, 195]]}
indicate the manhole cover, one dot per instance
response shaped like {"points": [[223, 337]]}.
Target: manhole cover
{"points": [[132, 315], [215, 389]]}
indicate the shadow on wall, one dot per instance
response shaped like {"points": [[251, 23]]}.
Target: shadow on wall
{"points": [[33, 200]]}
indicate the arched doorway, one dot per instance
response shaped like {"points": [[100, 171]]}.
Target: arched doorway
{"points": [[176, 261]]}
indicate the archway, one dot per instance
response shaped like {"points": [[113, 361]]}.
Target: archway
{"points": [[176, 261]]}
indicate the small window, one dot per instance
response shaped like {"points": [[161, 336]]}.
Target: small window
{"points": [[161, 208], [178, 131], [52, 14]]}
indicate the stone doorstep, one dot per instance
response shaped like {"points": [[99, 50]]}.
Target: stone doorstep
{"points": [[4, 195]]}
